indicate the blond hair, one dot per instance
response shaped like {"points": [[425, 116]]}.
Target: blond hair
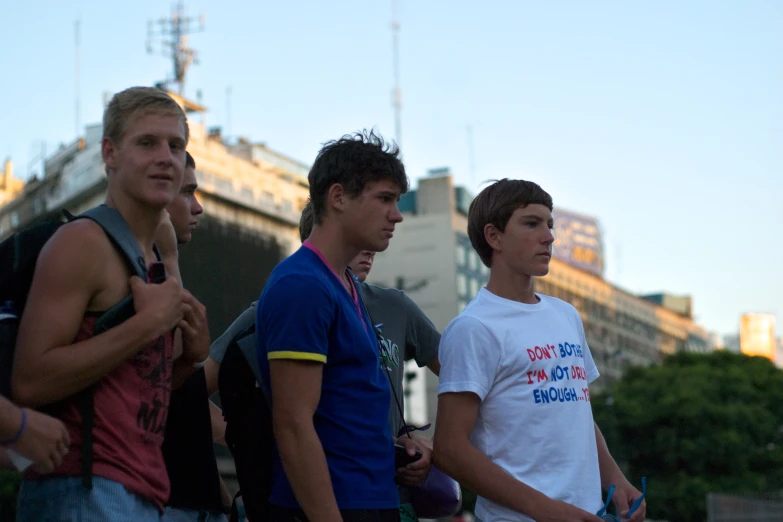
{"points": [[135, 101]]}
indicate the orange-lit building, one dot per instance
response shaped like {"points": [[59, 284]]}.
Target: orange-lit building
{"points": [[757, 335]]}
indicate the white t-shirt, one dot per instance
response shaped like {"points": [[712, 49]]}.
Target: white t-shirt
{"points": [[530, 366]]}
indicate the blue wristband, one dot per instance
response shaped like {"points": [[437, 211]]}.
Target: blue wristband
{"points": [[19, 433]]}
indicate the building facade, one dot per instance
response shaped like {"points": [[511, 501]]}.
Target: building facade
{"points": [[757, 335], [252, 198]]}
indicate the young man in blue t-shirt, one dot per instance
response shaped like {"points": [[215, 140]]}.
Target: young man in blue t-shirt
{"points": [[317, 351]]}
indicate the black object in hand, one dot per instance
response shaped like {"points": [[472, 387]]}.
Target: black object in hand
{"points": [[402, 458]]}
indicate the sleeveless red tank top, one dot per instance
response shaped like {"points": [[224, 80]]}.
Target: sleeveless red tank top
{"points": [[131, 407]]}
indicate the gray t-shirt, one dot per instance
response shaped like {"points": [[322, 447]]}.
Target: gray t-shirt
{"points": [[407, 334]]}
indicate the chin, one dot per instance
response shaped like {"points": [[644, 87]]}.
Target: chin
{"points": [[540, 271], [380, 247]]}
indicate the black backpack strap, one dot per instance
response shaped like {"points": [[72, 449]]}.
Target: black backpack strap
{"points": [[247, 344], [249, 430], [379, 338], [234, 513], [121, 236]]}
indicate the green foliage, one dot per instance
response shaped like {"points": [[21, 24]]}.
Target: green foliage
{"points": [[9, 487], [697, 423], [468, 500]]}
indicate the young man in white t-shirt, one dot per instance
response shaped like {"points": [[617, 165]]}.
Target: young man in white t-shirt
{"points": [[514, 419]]}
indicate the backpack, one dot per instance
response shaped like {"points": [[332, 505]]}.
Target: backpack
{"points": [[248, 416], [18, 258]]}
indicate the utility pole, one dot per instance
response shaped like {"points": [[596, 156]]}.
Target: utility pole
{"points": [[77, 73], [173, 33], [397, 92]]}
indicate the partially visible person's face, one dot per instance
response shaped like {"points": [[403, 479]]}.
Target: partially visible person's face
{"points": [[362, 264], [185, 209]]}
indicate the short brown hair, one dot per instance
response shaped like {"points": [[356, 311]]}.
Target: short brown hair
{"points": [[307, 221], [495, 205], [138, 100]]}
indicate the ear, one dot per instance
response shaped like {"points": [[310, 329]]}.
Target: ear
{"points": [[494, 237], [336, 197], [109, 153]]}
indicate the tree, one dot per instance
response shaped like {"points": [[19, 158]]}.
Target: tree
{"points": [[697, 423], [9, 487]]}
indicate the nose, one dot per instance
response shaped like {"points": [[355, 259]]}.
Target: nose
{"points": [[164, 154], [549, 238], [196, 209], [396, 215]]}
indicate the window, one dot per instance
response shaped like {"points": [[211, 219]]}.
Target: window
{"points": [[461, 304], [14, 220], [472, 259], [267, 197], [484, 269], [475, 286], [286, 206], [462, 285], [459, 255]]}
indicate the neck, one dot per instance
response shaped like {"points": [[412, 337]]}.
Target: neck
{"points": [[512, 286], [335, 248], [142, 220]]}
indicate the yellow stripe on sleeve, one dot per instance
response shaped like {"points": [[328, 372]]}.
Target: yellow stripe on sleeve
{"points": [[297, 356]]}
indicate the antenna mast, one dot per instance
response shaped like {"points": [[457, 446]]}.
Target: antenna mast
{"points": [[396, 93], [173, 34], [471, 155], [77, 73]]}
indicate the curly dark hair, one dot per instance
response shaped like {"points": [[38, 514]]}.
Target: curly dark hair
{"points": [[354, 161]]}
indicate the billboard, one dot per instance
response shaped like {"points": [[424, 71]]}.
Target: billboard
{"points": [[757, 335], [578, 241]]}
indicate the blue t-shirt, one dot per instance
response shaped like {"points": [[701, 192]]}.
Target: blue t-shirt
{"points": [[305, 313]]}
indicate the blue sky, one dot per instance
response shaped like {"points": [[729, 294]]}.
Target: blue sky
{"points": [[664, 119]]}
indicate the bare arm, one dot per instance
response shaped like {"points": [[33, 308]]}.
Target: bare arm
{"points": [[218, 424], [434, 366], [296, 391], [5, 461], [10, 419], [194, 337], [611, 475], [211, 370], [40, 438], [48, 365], [610, 471], [457, 457]]}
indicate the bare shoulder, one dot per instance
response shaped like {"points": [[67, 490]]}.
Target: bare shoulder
{"points": [[78, 254], [82, 239]]}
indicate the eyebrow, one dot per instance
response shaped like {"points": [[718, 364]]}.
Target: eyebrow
{"points": [[538, 219], [149, 135], [390, 193]]}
